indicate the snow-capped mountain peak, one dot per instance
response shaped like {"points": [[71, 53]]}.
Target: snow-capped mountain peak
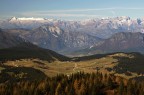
{"points": [[24, 18], [99, 27], [31, 19], [13, 18]]}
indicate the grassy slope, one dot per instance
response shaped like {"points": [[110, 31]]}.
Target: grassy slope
{"points": [[34, 57], [26, 71], [128, 65]]}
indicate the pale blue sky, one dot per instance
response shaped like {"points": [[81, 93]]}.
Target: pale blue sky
{"points": [[71, 9]]}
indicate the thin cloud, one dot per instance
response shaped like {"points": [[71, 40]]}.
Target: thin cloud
{"points": [[132, 8], [59, 15], [86, 10], [76, 10], [99, 12]]}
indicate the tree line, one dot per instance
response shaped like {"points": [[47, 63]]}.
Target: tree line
{"points": [[75, 84]]}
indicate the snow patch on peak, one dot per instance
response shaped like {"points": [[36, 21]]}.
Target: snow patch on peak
{"points": [[91, 47], [30, 18], [13, 18], [44, 27], [55, 29], [51, 20], [55, 35], [24, 18]]}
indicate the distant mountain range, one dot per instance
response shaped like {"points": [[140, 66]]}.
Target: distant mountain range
{"points": [[87, 36], [100, 27]]}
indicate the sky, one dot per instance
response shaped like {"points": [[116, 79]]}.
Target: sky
{"points": [[71, 9]]}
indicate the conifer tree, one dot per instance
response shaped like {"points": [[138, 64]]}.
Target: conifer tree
{"points": [[58, 89], [121, 87], [82, 89], [76, 86]]}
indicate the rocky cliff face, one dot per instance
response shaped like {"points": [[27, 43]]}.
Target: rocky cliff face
{"points": [[54, 38]]}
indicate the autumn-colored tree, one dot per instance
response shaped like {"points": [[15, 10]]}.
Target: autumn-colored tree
{"points": [[76, 86], [82, 90], [58, 89]]}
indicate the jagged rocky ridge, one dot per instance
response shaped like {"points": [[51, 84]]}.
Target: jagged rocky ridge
{"points": [[100, 27], [54, 38]]}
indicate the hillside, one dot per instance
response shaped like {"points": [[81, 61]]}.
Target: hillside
{"points": [[9, 40], [16, 74], [127, 65], [13, 47], [21, 52], [119, 42]]}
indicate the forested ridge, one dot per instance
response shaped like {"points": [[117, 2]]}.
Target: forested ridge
{"points": [[75, 84]]}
